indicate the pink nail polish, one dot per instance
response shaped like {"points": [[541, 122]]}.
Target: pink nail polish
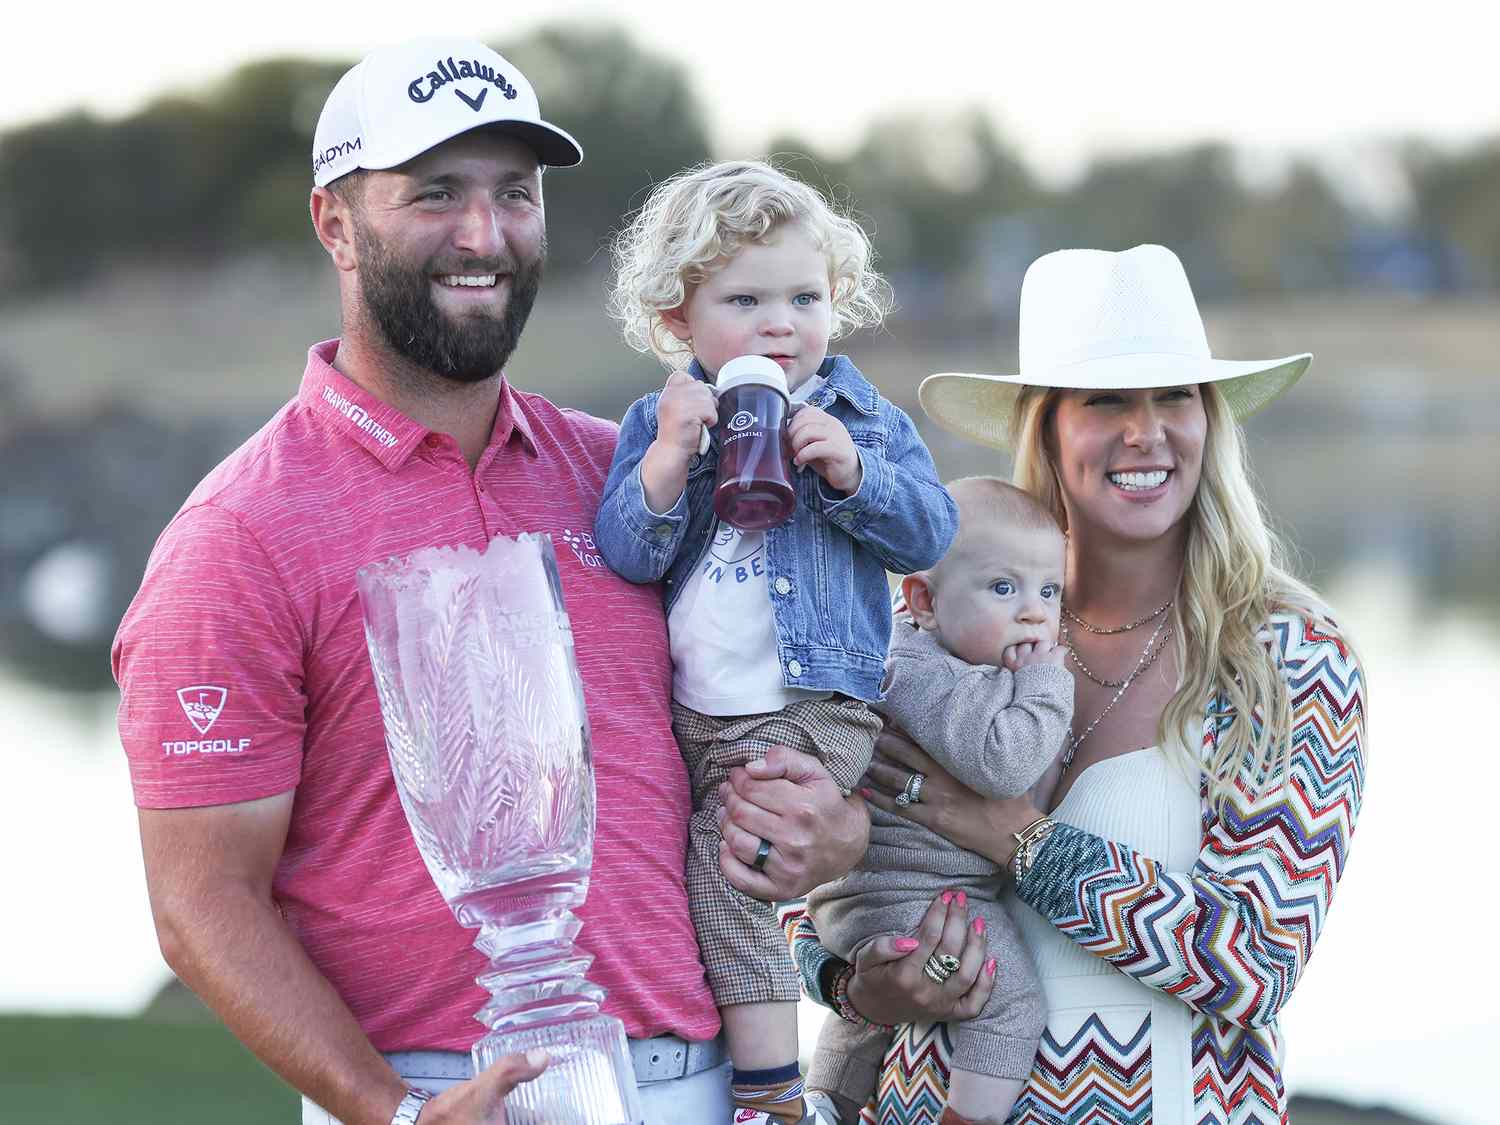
{"points": [[947, 897], [979, 925], [905, 944], [963, 899], [989, 967], [866, 794]]}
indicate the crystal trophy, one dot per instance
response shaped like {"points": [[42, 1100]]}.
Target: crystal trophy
{"points": [[489, 745]]}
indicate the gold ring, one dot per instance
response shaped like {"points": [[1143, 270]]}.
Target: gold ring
{"points": [[940, 966]]}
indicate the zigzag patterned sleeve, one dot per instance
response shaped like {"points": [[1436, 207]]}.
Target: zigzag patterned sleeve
{"points": [[1231, 937], [807, 952]]}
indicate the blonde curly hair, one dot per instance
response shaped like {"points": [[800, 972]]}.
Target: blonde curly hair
{"points": [[700, 218]]}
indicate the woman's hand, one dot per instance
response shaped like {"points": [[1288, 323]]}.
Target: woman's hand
{"points": [[889, 985], [790, 800], [982, 826]]}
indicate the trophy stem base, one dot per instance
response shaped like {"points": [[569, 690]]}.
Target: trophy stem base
{"points": [[590, 1080]]}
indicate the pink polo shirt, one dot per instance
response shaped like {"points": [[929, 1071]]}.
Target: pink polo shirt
{"points": [[243, 673]]}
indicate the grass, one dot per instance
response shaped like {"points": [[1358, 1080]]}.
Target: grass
{"points": [[78, 1070]]}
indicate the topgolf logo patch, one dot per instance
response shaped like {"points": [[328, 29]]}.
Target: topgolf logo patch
{"points": [[202, 703]]}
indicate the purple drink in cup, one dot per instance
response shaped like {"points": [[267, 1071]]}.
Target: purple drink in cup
{"points": [[753, 490]]}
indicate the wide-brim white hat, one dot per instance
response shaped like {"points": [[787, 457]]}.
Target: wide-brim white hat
{"points": [[1099, 320]]}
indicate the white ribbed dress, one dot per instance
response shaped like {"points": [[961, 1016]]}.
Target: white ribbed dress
{"points": [[1143, 800]]}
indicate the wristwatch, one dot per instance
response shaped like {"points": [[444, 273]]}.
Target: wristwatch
{"points": [[411, 1107]]}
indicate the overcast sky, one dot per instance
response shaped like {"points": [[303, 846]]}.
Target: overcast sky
{"points": [[1064, 83]]}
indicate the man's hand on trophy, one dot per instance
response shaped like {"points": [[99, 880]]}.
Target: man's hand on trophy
{"points": [[787, 826], [481, 1100]]}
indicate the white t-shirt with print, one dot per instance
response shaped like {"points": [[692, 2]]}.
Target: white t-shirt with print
{"points": [[722, 629]]}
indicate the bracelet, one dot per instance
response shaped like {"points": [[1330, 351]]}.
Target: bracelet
{"points": [[411, 1107], [845, 1008], [1027, 840]]}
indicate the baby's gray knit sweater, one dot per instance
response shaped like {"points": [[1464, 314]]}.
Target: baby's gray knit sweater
{"points": [[997, 732]]}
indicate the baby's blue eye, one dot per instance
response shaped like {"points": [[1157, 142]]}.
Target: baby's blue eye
{"points": [[1051, 590], [743, 300], [804, 299], [1004, 587]]}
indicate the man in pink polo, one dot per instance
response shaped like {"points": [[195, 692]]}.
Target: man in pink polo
{"points": [[285, 885]]}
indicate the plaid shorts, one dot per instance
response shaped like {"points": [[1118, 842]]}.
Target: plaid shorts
{"points": [[744, 950]]}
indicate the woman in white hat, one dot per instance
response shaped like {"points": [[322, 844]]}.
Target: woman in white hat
{"points": [[1175, 887]]}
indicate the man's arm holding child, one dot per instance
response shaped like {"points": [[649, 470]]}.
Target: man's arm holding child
{"points": [[817, 834]]}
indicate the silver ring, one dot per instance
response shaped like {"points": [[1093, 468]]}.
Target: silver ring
{"points": [[762, 853], [912, 794]]}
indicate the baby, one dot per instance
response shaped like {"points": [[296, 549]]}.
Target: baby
{"points": [[778, 637], [996, 594]]}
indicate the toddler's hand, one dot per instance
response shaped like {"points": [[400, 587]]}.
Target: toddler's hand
{"points": [[822, 441], [1016, 657], [685, 407]]}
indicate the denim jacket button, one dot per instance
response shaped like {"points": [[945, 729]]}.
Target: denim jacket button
{"points": [[664, 531], [694, 461], [794, 667], [784, 587]]}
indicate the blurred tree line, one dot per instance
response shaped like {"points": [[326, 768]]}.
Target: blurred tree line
{"points": [[956, 215]]}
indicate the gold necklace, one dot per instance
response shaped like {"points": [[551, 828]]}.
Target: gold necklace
{"points": [[1097, 630], [1067, 639], [1147, 658]]}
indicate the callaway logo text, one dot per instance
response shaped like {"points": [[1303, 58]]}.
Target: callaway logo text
{"points": [[422, 89], [359, 417]]}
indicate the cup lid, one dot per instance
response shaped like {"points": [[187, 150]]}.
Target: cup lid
{"points": [[752, 369]]}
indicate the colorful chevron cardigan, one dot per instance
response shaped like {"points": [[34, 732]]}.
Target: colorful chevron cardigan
{"points": [[1228, 938]]}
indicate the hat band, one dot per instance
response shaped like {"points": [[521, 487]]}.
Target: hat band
{"points": [[1117, 346]]}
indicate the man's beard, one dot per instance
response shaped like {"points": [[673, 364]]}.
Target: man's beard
{"points": [[465, 349]]}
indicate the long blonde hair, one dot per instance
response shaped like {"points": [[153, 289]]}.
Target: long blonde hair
{"points": [[1234, 576]]}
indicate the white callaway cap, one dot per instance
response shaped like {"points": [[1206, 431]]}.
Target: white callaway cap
{"points": [[401, 101]]}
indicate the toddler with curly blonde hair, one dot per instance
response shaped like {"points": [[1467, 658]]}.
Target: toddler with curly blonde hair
{"points": [[778, 637]]}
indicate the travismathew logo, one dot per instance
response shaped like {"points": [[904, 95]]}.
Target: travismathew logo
{"points": [[359, 417], [422, 89]]}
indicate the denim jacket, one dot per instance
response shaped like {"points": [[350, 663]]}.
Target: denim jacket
{"points": [[827, 564]]}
